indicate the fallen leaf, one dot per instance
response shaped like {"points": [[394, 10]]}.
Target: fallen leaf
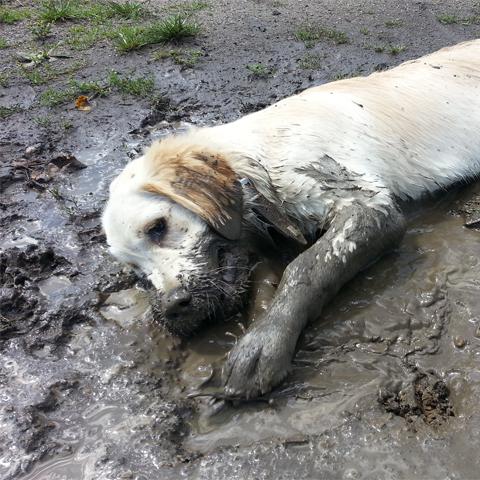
{"points": [[81, 103]]}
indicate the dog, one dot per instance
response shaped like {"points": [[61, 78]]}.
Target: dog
{"points": [[325, 172]]}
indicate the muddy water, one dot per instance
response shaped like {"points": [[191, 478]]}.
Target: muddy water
{"points": [[131, 401], [415, 313]]}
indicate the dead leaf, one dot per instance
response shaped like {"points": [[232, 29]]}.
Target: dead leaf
{"points": [[82, 103], [67, 161]]}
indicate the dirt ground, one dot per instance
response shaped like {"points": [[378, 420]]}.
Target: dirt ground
{"points": [[385, 384]]}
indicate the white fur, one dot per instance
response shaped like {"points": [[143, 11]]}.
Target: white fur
{"points": [[407, 131], [404, 132], [129, 210]]}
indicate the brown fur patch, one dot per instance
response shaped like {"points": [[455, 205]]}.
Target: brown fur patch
{"points": [[198, 179]]}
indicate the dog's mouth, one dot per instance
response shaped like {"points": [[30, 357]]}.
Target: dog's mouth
{"points": [[215, 294]]}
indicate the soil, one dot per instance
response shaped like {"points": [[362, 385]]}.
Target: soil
{"points": [[385, 384]]}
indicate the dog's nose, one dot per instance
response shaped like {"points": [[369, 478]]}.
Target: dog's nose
{"points": [[177, 302]]}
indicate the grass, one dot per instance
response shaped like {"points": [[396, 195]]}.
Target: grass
{"points": [[34, 76], [309, 35], [184, 58], [173, 28], [137, 86], [13, 15], [448, 19], [396, 49], [52, 97], [4, 79], [365, 31], [7, 111], [45, 73], [393, 23], [258, 70], [3, 43], [130, 38], [310, 61], [88, 88], [41, 29], [128, 10], [391, 49], [81, 37], [53, 11], [43, 121]]}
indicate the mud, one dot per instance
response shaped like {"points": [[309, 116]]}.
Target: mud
{"points": [[384, 385]]}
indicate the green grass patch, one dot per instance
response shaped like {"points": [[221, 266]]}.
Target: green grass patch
{"points": [[7, 111], [88, 88], [139, 86], [390, 49], [309, 35], [343, 76], [184, 58], [41, 29], [4, 79], [130, 38], [53, 11], [448, 19], [393, 23], [128, 10], [13, 15], [81, 37], [173, 28], [310, 61], [365, 31], [259, 70], [35, 77], [52, 97], [396, 49], [3, 43], [45, 73]]}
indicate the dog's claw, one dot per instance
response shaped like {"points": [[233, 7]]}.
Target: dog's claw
{"points": [[258, 362]]}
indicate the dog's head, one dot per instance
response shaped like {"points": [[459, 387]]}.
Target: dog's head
{"points": [[175, 215]]}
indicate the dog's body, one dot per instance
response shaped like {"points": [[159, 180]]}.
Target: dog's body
{"points": [[323, 168]]}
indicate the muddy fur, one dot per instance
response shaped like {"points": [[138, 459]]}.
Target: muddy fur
{"points": [[334, 159], [218, 292]]}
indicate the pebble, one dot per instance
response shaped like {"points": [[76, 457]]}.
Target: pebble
{"points": [[459, 341]]}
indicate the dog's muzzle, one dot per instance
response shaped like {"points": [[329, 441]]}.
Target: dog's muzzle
{"points": [[177, 304]]}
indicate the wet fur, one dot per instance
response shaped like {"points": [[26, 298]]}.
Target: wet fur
{"points": [[335, 159]]}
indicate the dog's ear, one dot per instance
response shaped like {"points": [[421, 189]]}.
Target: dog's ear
{"points": [[265, 215], [201, 181]]}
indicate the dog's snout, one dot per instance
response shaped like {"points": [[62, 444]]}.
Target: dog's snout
{"points": [[177, 302]]}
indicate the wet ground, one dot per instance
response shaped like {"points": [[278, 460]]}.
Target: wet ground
{"points": [[385, 383]]}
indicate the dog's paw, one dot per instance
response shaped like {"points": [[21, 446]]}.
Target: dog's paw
{"points": [[257, 363]]}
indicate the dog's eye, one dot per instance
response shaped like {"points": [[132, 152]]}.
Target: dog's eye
{"points": [[157, 231]]}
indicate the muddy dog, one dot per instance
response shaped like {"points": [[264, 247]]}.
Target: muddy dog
{"points": [[326, 169]]}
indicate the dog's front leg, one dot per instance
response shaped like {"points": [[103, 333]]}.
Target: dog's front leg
{"points": [[356, 237]]}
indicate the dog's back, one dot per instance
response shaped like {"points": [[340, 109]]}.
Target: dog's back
{"points": [[412, 129]]}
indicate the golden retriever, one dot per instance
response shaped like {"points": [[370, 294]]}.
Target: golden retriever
{"points": [[323, 170]]}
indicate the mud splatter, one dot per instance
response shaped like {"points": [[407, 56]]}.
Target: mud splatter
{"points": [[426, 398]]}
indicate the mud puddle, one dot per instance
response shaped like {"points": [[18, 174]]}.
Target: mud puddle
{"points": [[93, 388], [385, 384]]}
